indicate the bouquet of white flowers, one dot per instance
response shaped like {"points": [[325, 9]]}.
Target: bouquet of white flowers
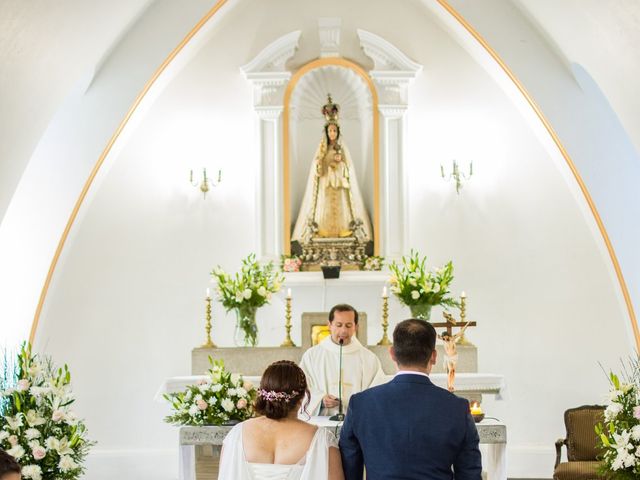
{"points": [[37, 426], [419, 288], [222, 397], [620, 435], [248, 290]]}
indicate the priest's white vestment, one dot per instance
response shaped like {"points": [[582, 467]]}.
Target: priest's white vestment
{"points": [[361, 369]]}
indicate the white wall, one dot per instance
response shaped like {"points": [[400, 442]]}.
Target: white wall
{"points": [[125, 307]]}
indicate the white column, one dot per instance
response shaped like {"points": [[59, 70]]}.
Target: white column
{"points": [[393, 188], [269, 202]]}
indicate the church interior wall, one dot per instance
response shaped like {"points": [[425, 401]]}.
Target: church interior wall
{"points": [[126, 304]]}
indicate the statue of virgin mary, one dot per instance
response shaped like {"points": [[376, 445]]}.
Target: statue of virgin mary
{"points": [[332, 206]]}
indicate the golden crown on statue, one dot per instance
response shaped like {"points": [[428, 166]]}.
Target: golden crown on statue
{"points": [[331, 110]]}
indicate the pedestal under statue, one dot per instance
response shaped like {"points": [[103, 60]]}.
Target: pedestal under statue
{"points": [[333, 226]]}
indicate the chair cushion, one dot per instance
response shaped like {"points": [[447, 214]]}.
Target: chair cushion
{"points": [[582, 441], [577, 471]]}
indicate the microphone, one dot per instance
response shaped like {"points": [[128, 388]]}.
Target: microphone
{"points": [[339, 417]]}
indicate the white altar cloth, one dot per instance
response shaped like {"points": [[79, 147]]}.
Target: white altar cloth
{"points": [[493, 439], [486, 383]]}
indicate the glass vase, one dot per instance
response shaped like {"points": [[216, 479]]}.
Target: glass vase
{"points": [[246, 328], [421, 311]]}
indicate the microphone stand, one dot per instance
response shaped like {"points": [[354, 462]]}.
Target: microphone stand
{"points": [[339, 417]]}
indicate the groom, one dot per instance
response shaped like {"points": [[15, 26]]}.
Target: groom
{"points": [[409, 428]]}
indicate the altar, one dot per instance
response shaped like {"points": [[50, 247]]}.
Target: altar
{"points": [[493, 436]]}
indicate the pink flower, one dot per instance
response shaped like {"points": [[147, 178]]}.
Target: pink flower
{"points": [[636, 412], [242, 403], [23, 385], [57, 415], [39, 453], [202, 405], [13, 440]]}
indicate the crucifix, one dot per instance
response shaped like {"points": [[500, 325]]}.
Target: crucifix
{"points": [[451, 321]]}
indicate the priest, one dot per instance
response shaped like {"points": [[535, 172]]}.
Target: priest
{"points": [[361, 368]]}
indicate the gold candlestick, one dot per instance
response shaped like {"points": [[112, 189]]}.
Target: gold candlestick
{"points": [[385, 321], [208, 343], [287, 326]]}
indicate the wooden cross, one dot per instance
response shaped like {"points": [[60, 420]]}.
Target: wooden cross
{"points": [[452, 322]]}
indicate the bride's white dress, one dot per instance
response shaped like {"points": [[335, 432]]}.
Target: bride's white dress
{"points": [[313, 466]]}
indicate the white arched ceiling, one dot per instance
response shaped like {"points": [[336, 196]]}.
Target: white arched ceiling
{"points": [[45, 49], [601, 36]]}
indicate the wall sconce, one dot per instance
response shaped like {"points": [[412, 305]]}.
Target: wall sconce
{"points": [[457, 175], [206, 183]]}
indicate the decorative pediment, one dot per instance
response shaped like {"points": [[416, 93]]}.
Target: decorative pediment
{"points": [[385, 56], [273, 57]]}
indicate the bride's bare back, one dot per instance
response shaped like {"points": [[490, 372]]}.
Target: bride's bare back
{"points": [[283, 442]]}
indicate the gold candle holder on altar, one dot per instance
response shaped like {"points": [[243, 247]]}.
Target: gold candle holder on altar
{"points": [[385, 318], [287, 326], [207, 327]]}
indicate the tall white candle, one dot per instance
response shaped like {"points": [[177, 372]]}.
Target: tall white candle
{"points": [[463, 295], [208, 292], [288, 293], [384, 292]]}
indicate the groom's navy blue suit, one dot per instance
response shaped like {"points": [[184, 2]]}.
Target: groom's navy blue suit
{"points": [[409, 429]]}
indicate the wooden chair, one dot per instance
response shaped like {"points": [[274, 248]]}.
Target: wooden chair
{"points": [[582, 444]]}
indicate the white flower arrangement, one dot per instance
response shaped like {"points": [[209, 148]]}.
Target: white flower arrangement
{"points": [[222, 397], [37, 426], [620, 435]]}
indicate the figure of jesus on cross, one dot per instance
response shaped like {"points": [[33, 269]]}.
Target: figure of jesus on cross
{"points": [[451, 354]]}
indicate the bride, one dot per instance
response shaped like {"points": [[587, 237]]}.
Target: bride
{"points": [[277, 445]]}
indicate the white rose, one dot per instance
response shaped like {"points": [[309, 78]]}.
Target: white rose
{"points": [[66, 463], [231, 392], [415, 294], [16, 452], [262, 291], [34, 472], [32, 433], [227, 404], [216, 387], [23, 385], [247, 294]]}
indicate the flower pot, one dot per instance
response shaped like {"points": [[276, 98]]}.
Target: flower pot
{"points": [[246, 328], [421, 311]]}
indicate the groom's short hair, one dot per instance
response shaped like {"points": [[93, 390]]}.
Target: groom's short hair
{"points": [[414, 342]]}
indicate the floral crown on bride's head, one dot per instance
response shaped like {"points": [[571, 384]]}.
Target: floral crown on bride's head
{"points": [[272, 395], [331, 111]]}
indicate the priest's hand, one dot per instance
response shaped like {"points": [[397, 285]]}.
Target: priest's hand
{"points": [[329, 401]]}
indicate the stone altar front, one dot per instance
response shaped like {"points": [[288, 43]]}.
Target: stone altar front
{"points": [[200, 448]]}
